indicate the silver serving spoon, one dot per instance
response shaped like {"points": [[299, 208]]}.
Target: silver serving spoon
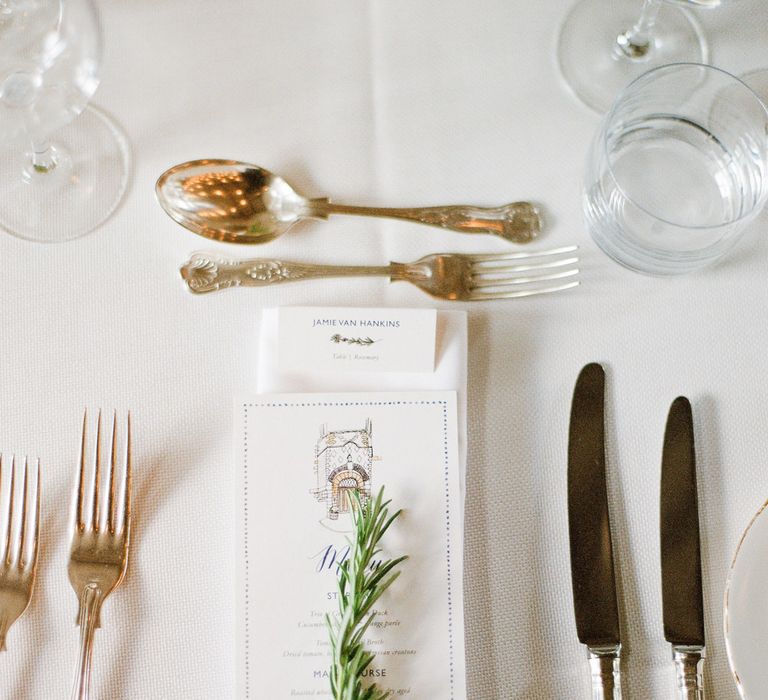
{"points": [[227, 200]]}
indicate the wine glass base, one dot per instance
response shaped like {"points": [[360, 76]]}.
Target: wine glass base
{"points": [[73, 198], [588, 55]]}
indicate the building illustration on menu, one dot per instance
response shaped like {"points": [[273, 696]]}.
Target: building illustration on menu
{"points": [[343, 464]]}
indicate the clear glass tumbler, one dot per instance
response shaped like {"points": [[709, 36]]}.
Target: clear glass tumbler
{"points": [[677, 169]]}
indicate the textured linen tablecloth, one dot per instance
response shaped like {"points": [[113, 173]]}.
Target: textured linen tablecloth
{"points": [[400, 102]]}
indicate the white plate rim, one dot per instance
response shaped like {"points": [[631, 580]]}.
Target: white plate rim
{"points": [[726, 599]]}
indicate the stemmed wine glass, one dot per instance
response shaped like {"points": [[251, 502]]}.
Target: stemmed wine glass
{"points": [[63, 165], [605, 44]]}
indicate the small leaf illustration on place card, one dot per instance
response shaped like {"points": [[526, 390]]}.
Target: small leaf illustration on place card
{"points": [[338, 338]]}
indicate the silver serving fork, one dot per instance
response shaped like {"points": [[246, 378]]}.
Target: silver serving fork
{"points": [[101, 530], [452, 276], [18, 559]]}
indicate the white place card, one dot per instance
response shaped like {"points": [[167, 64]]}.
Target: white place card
{"points": [[302, 455], [334, 339]]}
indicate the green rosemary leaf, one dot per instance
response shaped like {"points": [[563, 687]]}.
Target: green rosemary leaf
{"points": [[379, 592], [384, 569]]}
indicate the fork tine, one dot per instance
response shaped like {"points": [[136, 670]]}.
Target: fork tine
{"points": [[522, 255], [112, 458], [127, 481], [491, 282], [483, 268], [79, 522], [36, 523], [10, 513], [96, 476], [23, 515], [482, 296]]}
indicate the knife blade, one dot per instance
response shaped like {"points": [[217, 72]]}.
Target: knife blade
{"points": [[681, 577], [592, 574]]}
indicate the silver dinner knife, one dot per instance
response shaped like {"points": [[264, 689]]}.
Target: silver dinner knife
{"points": [[681, 578], [592, 575]]}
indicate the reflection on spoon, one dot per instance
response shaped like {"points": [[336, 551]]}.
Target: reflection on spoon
{"points": [[227, 200]]}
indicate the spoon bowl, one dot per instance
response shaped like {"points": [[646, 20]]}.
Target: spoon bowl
{"points": [[230, 201], [227, 200]]}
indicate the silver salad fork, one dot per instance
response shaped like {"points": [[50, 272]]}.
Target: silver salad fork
{"points": [[101, 527]]}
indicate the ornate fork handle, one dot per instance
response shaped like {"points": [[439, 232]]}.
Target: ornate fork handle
{"points": [[519, 222], [88, 619], [207, 272]]}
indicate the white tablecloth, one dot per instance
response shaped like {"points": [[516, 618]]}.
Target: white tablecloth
{"points": [[399, 102]]}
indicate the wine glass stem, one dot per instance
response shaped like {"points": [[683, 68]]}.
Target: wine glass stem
{"points": [[43, 160], [637, 41]]}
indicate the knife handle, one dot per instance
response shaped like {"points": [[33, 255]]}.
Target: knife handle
{"points": [[689, 669], [606, 678]]}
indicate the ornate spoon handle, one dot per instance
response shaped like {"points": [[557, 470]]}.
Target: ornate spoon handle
{"points": [[519, 222], [208, 272]]}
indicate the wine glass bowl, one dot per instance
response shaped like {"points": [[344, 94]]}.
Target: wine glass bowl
{"points": [[63, 164]]}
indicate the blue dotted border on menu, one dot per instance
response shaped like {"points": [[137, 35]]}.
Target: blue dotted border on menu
{"points": [[444, 406]]}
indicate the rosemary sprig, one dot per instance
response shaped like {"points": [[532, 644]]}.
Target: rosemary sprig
{"points": [[360, 586]]}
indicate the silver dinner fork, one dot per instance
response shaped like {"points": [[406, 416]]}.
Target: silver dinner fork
{"points": [[101, 526], [18, 554], [452, 276]]}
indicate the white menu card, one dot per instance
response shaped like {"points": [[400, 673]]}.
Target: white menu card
{"points": [[302, 455]]}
